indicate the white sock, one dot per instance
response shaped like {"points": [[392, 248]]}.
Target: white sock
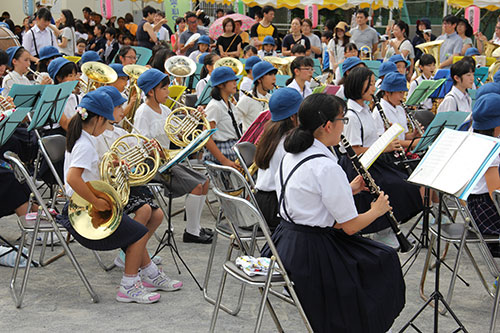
{"points": [[193, 213], [129, 280], [151, 270]]}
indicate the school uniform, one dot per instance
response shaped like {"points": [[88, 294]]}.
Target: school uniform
{"points": [[344, 283], [248, 109], [395, 115], [12, 78], [227, 132], [427, 104], [200, 86], [307, 88], [84, 156], [261, 54], [455, 100], [245, 85]]}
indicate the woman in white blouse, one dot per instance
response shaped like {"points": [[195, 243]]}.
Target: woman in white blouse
{"points": [[66, 23], [400, 44], [345, 283]]}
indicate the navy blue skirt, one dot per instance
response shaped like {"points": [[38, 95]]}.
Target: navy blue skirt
{"points": [[344, 283], [128, 232], [405, 198]]}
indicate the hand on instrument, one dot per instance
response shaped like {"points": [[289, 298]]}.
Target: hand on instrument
{"points": [[394, 145], [358, 185], [201, 109], [101, 205], [382, 204], [232, 164], [46, 80]]}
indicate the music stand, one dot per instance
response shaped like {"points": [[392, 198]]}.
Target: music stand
{"points": [[168, 237], [446, 87], [423, 91], [205, 95], [26, 95]]}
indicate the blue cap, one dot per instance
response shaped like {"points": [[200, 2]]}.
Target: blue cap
{"points": [[472, 51], [399, 58], [98, 102], [55, 66], [150, 79], [284, 103], [486, 113], [115, 95], [221, 75], [250, 62], [89, 56], [201, 59], [496, 77], [492, 87], [350, 63], [268, 40], [394, 82], [11, 51], [118, 69], [386, 68], [48, 52], [262, 68], [204, 40]]}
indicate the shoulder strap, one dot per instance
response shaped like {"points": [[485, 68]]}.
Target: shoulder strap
{"points": [[283, 185], [361, 124], [233, 120], [34, 43]]}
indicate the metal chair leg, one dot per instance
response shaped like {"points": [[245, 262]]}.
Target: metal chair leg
{"points": [[101, 263], [218, 300], [265, 300], [494, 313]]}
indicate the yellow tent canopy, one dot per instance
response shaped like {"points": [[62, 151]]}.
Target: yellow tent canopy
{"points": [[487, 4], [329, 4]]}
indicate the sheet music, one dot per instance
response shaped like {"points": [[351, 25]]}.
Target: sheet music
{"points": [[379, 146]]}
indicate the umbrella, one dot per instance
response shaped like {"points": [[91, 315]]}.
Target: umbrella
{"points": [[216, 28]]}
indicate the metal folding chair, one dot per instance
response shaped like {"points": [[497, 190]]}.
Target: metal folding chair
{"points": [[246, 153], [240, 213], [494, 312], [44, 224]]}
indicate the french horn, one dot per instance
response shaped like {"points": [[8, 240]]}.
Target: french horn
{"points": [[133, 72]]}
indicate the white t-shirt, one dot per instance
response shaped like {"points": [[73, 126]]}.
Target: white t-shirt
{"points": [[151, 124], [201, 85], [70, 48], [248, 109], [318, 193], [12, 78], [360, 121], [456, 100], [405, 45], [162, 34], [217, 111], [261, 54], [246, 85], [395, 115], [427, 104], [265, 178], [315, 41], [71, 104], [307, 88], [481, 186], [106, 140], [337, 50], [84, 156]]}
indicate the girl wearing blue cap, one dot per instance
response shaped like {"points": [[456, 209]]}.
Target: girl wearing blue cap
{"points": [[220, 114], [267, 48], [208, 66], [248, 107], [203, 46], [302, 69], [345, 283], [284, 104], [150, 120], [486, 121], [362, 132], [19, 62], [458, 99], [247, 81], [347, 66], [81, 166]]}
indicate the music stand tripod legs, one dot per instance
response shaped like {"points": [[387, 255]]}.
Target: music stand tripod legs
{"points": [[436, 296], [168, 234]]}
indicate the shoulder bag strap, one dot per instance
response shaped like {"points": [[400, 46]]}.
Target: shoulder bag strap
{"points": [[361, 124]]}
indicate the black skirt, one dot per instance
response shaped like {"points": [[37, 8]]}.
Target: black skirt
{"points": [[268, 205], [486, 216], [139, 196], [344, 283], [405, 198], [127, 233], [12, 193]]}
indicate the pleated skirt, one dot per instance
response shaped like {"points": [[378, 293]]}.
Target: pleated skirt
{"points": [[344, 283]]}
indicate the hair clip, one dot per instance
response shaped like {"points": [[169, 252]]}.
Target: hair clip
{"points": [[83, 113]]}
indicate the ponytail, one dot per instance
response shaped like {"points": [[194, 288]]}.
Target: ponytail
{"points": [[298, 140], [75, 128]]}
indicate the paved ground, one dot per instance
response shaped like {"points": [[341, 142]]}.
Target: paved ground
{"points": [[57, 301]]}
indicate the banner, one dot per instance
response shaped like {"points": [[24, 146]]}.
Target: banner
{"points": [[174, 9]]}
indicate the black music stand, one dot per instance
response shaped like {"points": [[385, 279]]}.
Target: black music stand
{"points": [[168, 237]]}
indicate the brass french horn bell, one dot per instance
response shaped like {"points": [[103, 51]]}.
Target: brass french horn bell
{"points": [[99, 74], [231, 62]]}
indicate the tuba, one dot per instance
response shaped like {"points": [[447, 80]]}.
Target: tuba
{"points": [[489, 48], [98, 74], [231, 62], [133, 72], [281, 64], [433, 48], [180, 66]]}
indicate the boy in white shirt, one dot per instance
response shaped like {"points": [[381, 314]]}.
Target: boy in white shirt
{"points": [[458, 99]]}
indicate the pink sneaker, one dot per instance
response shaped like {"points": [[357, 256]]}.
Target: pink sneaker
{"points": [[137, 293], [161, 282]]}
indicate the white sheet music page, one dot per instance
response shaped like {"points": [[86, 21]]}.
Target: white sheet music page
{"points": [[379, 146]]}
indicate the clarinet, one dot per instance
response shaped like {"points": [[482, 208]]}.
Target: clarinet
{"points": [[413, 121], [404, 244], [401, 156]]}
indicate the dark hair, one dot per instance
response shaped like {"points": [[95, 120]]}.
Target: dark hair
{"points": [[66, 69], [362, 11], [298, 48], [315, 111], [148, 10], [6, 14], [80, 27], [129, 18], [4, 58], [468, 27], [451, 19], [471, 60], [273, 132], [70, 20], [355, 81], [205, 20], [427, 59], [488, 132], [404, 27], [461, 68], [111, 31], [163, 83], [345, 41], [327, 34], [350, 47], [101, 28], [268, 9], [18, 54], [230, 11], [215, 93], [44, 14], [75, 128], [160, 13], [250, 48], [226, 21], [87, 10], [209, 60], [120, 18], [189, 15], [258, 13], [219, 10], [259, 81], [308, 21], [123, 52], [297, 63], [179, 20], [330, 25], [81, 40]]}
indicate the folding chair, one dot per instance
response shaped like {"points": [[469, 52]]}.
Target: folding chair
{"points": [[373, 65], [281, 80], [317, 67], [43, 225], [494, 312], [245, 151], [143, 55], [229, 180], [240, 212]]}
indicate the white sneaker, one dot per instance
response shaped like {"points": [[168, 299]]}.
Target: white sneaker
{"points": [[161, 282], [136, 293]]}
